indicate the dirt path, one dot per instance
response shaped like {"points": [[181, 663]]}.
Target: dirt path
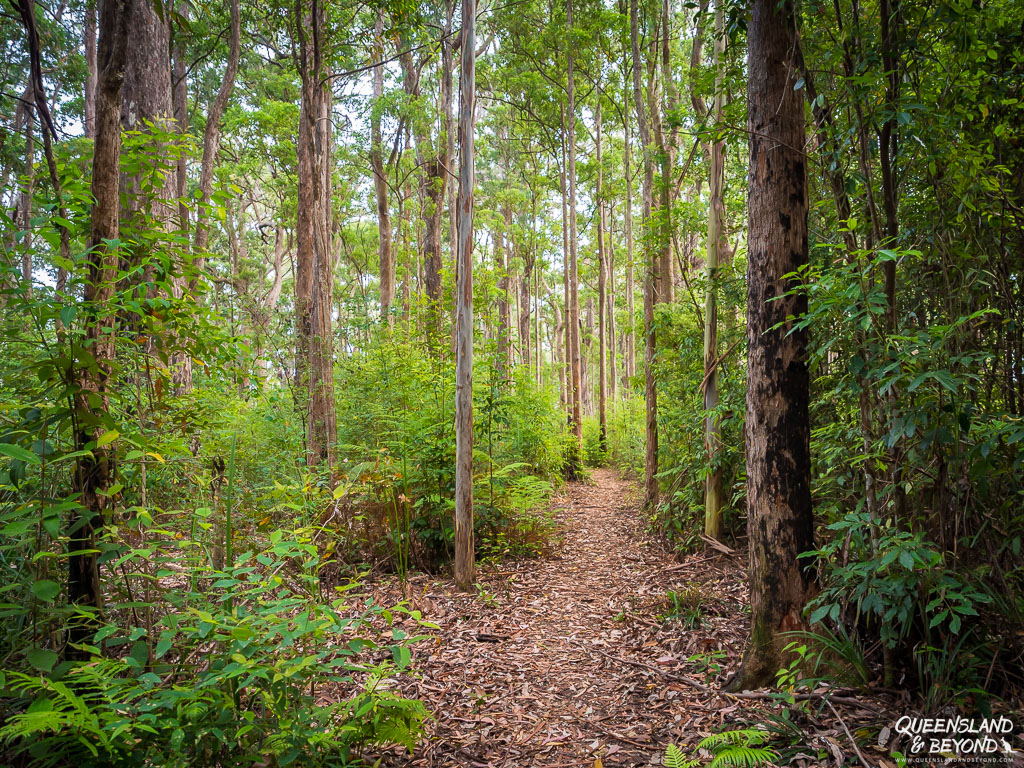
{"points": [[561, 660]]}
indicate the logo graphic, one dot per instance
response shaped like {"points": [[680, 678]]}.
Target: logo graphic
{"points": [[933, 740]]}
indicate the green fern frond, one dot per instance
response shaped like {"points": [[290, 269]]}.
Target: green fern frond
{"points": [[743, 748], [743, 757], [674, 758], [747, 737]]}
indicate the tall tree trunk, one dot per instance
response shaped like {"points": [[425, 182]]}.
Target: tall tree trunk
{"points": [[888, 139], [380, 183], [664, 289], [405, 225], [715, 246], [780, 522], [574, 284], [211, 143], [181, 360], [586, 356], [147, 101], [602, 300], [538, 356], [627, 225], [314, 277], [566, 350], [24, 217], [464, 555], [90, 70], [613, 373], [558, 350], [434, 158], [524, 306], [179, 105], [94, 471], [651, 275], [147, 98], [503, 251]]}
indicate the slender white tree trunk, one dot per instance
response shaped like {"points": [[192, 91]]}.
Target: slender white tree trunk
{"points": [[464, 565]]}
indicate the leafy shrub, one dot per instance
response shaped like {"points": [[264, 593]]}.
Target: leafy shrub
{"points": [[899, 582], [231, 670], [897, 585], [397, 454]]}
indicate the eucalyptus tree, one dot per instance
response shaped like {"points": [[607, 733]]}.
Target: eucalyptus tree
{"points": [[380, 180], [464, 548], [716, 246], [540, 47], [314, 273], [94, 470], [432, 129], [780, 523], [651, 269]]}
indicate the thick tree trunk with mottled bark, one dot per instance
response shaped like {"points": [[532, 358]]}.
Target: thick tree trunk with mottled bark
{"points": [[464, 555], [147, 98], [148, 108], [780, 523]]}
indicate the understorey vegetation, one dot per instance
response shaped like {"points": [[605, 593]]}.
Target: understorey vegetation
{"points": [[302, 299]]}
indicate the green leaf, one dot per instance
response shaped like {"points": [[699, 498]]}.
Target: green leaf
{"points": [[907, 560], [46, 590], [402, 655], [41, 659], [19, 453], [107, 438], [819, 614], [139, 654], [162, 647]]}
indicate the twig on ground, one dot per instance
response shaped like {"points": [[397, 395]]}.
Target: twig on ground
{"points": [[849, 735]]}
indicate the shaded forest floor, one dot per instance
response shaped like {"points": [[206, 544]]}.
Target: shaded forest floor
{"points": [[568, 660]]}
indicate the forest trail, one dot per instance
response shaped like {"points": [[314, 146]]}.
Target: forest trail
{"points": [[562, 660]]}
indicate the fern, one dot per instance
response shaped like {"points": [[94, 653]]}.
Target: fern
{"points": [[742, 737], [743, 757], [674, 758], [742, 748], [56, 712]]}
